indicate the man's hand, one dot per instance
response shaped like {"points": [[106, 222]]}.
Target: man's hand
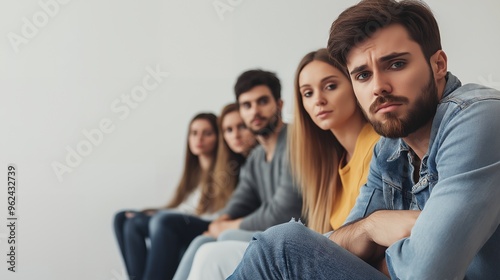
{"points": [[218, 226], [354, 237], [385, 227], [369, 238]]}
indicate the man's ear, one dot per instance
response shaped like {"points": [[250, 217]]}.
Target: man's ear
{"points": [[439, 65], [280, 104]]}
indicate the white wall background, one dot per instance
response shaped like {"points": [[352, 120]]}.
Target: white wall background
{"points": [[87, 54]]}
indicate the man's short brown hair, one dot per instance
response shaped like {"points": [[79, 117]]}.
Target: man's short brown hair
{"points": [[359, 22]]}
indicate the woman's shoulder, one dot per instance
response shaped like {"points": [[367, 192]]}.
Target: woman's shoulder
{"points": [[368, 137]]}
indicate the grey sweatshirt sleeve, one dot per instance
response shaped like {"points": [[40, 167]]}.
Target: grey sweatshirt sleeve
{"points": [[286, 203], [244, 200]]}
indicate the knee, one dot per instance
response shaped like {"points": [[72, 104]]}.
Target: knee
{"points": [[156, 222], [221, 252], [200, 240], [163, 220], [209, 260], [135, 223], [235, 234], [119, 219], [287, 231], [278, 243], [207, 252], [280, 236]]}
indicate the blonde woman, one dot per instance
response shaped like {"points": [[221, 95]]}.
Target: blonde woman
{"points": [[330, 145], [331, 142]]}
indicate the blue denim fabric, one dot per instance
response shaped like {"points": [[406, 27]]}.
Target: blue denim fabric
{"points": [[131, 235], [457, 234], [292, 251]]}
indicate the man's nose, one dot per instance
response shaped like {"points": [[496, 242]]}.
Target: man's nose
{"points": [[381, 84]]}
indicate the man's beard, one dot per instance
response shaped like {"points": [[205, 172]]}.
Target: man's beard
{"points": [[422, 111], [270, 128]]}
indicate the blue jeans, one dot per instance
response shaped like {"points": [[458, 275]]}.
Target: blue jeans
{"points": [[131, 232], [169, 233], [292, 251]]}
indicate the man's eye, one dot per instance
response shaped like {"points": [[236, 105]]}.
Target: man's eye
{"points": [[362, 76], [397, 65], [263, 101]]}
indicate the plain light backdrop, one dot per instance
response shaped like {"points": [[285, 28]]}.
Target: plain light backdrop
{"points": [[65, 69]]}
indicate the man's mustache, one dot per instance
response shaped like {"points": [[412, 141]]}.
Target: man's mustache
{"points": [[260, 118], [381, 100]]}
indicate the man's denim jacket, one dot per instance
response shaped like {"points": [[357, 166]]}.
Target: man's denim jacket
{"points": [[456, 235]]}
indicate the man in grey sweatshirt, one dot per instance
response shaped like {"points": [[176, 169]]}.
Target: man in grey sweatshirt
{"points": [[265, 195]]}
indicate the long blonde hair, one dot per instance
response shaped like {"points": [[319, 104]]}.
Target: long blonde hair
{"points": [[315, 156], [193, 175], [227, 169]]}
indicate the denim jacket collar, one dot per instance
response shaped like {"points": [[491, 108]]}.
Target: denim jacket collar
{"points": [[402, 147], [452, 83]]}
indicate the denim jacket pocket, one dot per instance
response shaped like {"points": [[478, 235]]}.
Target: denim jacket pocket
{"points": [[422, 190], [396, 197]]}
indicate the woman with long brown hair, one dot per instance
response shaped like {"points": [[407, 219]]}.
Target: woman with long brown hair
{"points": [[132, 228], [236, 142]]}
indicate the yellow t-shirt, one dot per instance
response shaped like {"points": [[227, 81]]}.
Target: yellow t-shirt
{"points": [[354, 175]]}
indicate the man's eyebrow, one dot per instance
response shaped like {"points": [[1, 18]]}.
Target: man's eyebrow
{"points": [[392, 56], [382, 59], [358, 69]]}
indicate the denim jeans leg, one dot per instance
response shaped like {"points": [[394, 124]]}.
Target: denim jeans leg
{"points": [[118, 226], [170, 234], [135, 233], [292, 251]]}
